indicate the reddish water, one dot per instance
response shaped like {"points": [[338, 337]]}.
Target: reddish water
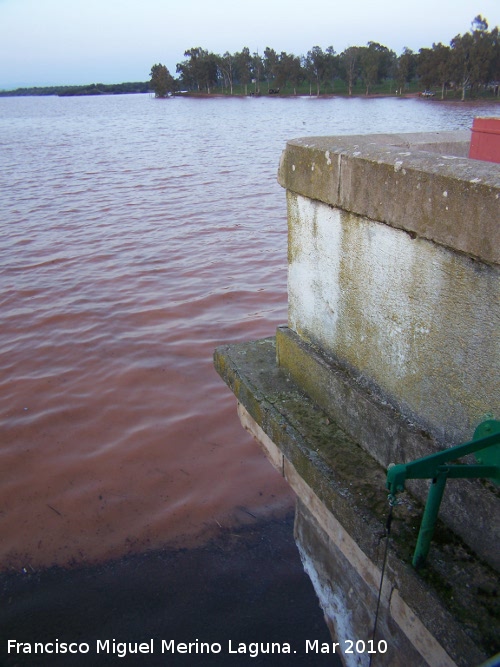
{"points": [[136, 236]]}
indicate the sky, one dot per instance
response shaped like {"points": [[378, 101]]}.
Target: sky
{"points": [[73, 42]]}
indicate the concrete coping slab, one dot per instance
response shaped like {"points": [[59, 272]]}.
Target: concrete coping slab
{"points": [[423, 183]]}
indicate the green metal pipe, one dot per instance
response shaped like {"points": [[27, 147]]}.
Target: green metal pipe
{"points": [[438, 467], [428, 524]]}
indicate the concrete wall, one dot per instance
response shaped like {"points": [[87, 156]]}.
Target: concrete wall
{"points": [[441, 616], [418, 319], [394, 270], [434, 194], [391, 353]]}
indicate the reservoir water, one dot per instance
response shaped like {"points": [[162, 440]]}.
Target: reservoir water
{"points": [[136, 235]]}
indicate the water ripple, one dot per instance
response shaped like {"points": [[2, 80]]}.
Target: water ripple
{"points": [[136, 235]]}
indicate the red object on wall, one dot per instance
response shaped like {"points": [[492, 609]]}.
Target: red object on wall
{"points": [[485, 140]]}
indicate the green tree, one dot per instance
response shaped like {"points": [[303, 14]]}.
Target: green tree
{"points": [[270, 65], [288, 70], [331, 65], [316, 67], [188, 71], [200, 70], [376, 64], [244, 64], [495, 59], [227, 67], [162, 83], [473, 56], [296, 72], [257, 69], [435, 67], [350, 66], [405, 68], [369, 64], [462, 57]]}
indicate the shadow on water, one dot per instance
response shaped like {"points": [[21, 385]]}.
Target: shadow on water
{"points": [[248, 585]]}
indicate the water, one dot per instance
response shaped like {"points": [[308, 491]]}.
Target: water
{"points": [[136, 236]]}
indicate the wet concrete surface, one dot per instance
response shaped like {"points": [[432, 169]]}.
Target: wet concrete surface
{"points": [[245, 587]]}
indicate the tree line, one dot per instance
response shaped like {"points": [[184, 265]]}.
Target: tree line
{"points": [[89, 89], [470, 64]]}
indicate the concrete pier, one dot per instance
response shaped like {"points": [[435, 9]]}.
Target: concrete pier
{"points": [[391, 353]]}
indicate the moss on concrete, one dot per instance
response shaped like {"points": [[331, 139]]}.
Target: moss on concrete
{"points": [[375, 421], [351, 484]]}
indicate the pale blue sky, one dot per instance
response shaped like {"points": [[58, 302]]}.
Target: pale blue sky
{"points": [[44, 42]]}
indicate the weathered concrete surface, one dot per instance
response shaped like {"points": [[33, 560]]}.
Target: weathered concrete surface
{"points": [[443, 612], [341, 596], [415, 182], [391, 353], [393, 270], [469, 507], [417, 319]]}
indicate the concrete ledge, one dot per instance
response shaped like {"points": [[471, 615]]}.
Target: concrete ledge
{"points": [[416, 182], [414, 645], [469, 507], [343, 487]]}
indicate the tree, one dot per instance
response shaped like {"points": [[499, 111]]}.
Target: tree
{"points": [[200, 71], [331, 65], [188, 71], [270, 65], [461, 60], [316, 67], [162, 82], [349, 64], [369, 63], [377, 63], [295, 72], [435, 67], [495, 58], [288, 69], [405, 68], [473, 55], [478, 23], [243, 61], [257, 67], [226, 66]]}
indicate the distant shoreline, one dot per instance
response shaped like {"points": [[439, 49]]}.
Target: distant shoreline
{"points": [[96, 90], [92, 89], [419, 96]]}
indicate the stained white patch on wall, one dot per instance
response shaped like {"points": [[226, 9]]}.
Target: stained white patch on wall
{"points": [[313, 281]]}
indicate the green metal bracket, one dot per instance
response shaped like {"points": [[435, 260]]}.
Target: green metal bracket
{"points": [[485, 444]]}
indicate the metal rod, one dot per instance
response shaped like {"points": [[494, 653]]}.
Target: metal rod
{"points": [[428, 466], [428, 524]]}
